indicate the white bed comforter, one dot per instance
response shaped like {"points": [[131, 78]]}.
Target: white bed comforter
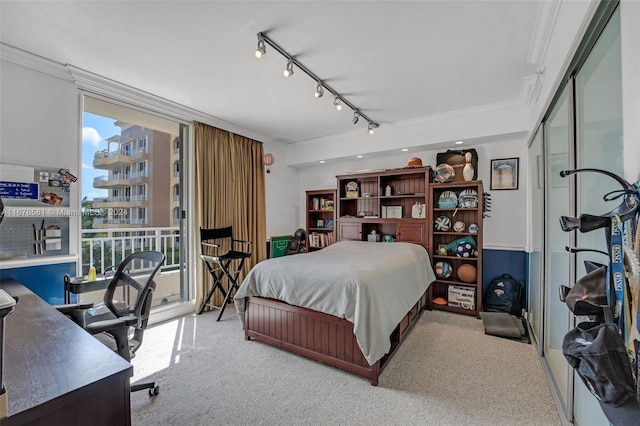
{"points": [[373, 285]]}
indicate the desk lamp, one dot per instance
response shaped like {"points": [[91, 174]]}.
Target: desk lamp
{"points": [[6, 307]]}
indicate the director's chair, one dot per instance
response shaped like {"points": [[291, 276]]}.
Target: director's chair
{"points": [[212, 241]]}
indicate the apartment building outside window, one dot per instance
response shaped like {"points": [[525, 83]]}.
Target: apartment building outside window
{"points": [[127, 172]]}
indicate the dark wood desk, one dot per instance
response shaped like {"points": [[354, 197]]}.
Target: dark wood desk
{"points": [[56, 373]]}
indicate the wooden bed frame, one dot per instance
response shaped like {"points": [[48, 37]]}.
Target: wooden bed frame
{"points": [[319, 336]]}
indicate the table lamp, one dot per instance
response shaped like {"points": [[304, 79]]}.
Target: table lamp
{"points": [[6, 307]]}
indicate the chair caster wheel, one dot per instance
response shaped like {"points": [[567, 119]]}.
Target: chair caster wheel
{"points": [[155, 391]]}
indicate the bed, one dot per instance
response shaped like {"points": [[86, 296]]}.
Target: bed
{"points": [[349, 305]]}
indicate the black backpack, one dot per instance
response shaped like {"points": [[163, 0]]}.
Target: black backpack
{"points": [[504, 294]]}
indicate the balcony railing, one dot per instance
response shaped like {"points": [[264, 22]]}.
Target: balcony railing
{"points": [[104, 251], [140, 197], [119, 221], [141, 174]]}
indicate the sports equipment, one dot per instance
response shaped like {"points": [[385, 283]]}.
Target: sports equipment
{"points": [[442, 223], [447, 200], [443, 269], [467, 273], [459, 226], [468, 199], [464, 249], [444, 173]]}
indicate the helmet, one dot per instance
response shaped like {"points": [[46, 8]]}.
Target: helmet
{"points": [[444, 173], [468, 199], [300, 233], [447, 200]]}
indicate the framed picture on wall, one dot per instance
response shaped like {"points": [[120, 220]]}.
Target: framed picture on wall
{"points": [[504, 173]]}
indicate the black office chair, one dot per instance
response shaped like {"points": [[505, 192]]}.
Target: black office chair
{"points": [[128, 298], [212, 243]]}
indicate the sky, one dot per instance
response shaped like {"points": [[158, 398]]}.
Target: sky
{"points": [[95, 130]]}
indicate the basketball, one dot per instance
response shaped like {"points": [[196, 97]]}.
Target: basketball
{"points": [[467, 273], [464, 249], [443, 269], [442, 223]]}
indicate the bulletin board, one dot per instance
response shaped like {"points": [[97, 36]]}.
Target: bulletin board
{"points": [[278, 245], [26, 186]]}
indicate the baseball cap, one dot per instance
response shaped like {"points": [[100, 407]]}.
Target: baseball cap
{"points": [[589, 293], [598, 355]]}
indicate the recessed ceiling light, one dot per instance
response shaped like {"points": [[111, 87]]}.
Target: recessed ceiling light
{"points": [[322, 161], [404, 149], [459, 142], [359, 156]]}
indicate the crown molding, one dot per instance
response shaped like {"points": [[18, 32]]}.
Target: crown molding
{"points": [[33, 62], [113, 91], [528, 91], [543, 29]]}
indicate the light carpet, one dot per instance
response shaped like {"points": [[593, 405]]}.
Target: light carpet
{"points": [[447, 372]]}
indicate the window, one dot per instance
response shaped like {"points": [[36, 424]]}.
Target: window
{"points": [[125, 160], [142, 145]]}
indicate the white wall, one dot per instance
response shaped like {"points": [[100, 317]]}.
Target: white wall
{"points": [[41, 126], [281, 190], [630, 44], [505, 229]]}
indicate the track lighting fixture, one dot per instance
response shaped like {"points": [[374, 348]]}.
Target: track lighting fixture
{"points": [[289, 70], [261, 50], [338, 99]]}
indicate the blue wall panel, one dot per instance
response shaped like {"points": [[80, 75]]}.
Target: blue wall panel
{"points": [[47, 281], [498, 262]]}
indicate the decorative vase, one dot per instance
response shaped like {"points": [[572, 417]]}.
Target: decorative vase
{"points": [[467, 171]]}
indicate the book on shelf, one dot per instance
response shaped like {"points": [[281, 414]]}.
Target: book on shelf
{"points": [[321, 203], [320, 239]]}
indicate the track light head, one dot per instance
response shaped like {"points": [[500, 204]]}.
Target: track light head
{"points": [[261, 50], [321, 86], [288, 72]]}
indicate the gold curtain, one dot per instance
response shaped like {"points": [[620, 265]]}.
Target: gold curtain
{"points": [[229, 191]]}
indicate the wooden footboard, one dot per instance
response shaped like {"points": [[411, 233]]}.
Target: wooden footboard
{"points": [[318, 335]]}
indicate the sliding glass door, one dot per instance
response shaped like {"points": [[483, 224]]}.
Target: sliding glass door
{"points": [[536, 260], [558, 196], [599, 141], [131, 186]]}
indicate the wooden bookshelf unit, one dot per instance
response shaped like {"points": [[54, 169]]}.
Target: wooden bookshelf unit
{"points": [[460, 296], [321, 218], [387, 203]]}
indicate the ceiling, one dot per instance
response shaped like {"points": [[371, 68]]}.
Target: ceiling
{"points": [[395, 60]]}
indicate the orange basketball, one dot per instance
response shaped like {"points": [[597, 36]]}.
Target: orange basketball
{"points": [[467, 273]]}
